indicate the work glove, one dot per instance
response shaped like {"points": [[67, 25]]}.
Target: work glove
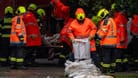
{"points": [[21, 38], [33, 37], [73, 40]]}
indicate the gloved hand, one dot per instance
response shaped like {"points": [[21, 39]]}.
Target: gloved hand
{"points": [[21, 38], [73, 40], [33, 36], [90, 38]]}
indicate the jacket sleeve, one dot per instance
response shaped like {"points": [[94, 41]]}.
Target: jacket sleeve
{"points": [[70, 32], [93, 29]]}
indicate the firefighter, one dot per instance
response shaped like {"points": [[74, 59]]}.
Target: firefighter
{"points": [[18, 40], [60, 15], [64, 39], [33, 37], [134, 41], [108, 40], [122, 37], [81, 28], [41, 20], [5, 35]]}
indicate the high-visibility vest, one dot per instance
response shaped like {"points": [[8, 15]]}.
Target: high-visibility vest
{"points": [[122, 36], [6, 27], [18, 29], [107, 33], [134, 26]]}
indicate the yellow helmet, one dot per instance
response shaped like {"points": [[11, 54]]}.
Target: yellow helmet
{"points": [[41, 12], [80, 14], [8, 9], [102, 13], [32, 6], [21, 10], [113, 6]]}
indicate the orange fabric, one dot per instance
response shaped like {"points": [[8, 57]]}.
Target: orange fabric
{"points": [[108, 33], [86, 29], [79, 11], [60, 10], [32, 29], [134, 25], [92, 45], [17, 29], [63, 34], [121, 23]]}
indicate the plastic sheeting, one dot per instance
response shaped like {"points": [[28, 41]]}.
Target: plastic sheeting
{"points": [[83, 69]]}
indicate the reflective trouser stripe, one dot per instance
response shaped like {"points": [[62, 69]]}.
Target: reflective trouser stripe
{"points": [[113, 64], [62, 56], [12, 59], [106, 65], [3, 59], [136, 60], [19, 60], [125, 60], [118, 60]]}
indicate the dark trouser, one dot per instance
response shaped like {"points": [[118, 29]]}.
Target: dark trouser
{"points": [[108, 57], [134, 51], [4, 51], [17, 55], [95, 58]]}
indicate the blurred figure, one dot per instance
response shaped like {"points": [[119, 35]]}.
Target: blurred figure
{"points": [[42, 20], [33, 33], [5, 35], [18, 39], [108, 40], [122, 37], [60, 15], [133, 44]]}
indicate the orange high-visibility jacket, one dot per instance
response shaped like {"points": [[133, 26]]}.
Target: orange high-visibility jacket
{"points": [[121, 23], [18, 29], [64, 35], [108, 33], [60, 10], [32, 30], [134, 26]]}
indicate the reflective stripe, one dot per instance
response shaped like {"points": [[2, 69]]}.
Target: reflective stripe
{"points": [[113, 64], [62, 56], [18, 27], [125, 60], [121, 25], [6, 27], [118, 61], [106, 65], [7, 20], [136, 60], [31, 23], [5, 35], [19, 60], [12, 59], [3, 59]]}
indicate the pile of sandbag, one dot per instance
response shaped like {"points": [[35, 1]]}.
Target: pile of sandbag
{"points": [[83, 69]]}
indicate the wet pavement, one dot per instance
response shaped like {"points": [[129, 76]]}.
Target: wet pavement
{"points": [[44, 70]]}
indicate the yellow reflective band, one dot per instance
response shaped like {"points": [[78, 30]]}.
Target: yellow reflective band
{"points": [[113, 64], [106, 65], [7, 20], [62, 56], [6, 27], [12, 59], [118, 61], [19, 60], [3, 59], [5, 35], [125, 60], [136, 60]]}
